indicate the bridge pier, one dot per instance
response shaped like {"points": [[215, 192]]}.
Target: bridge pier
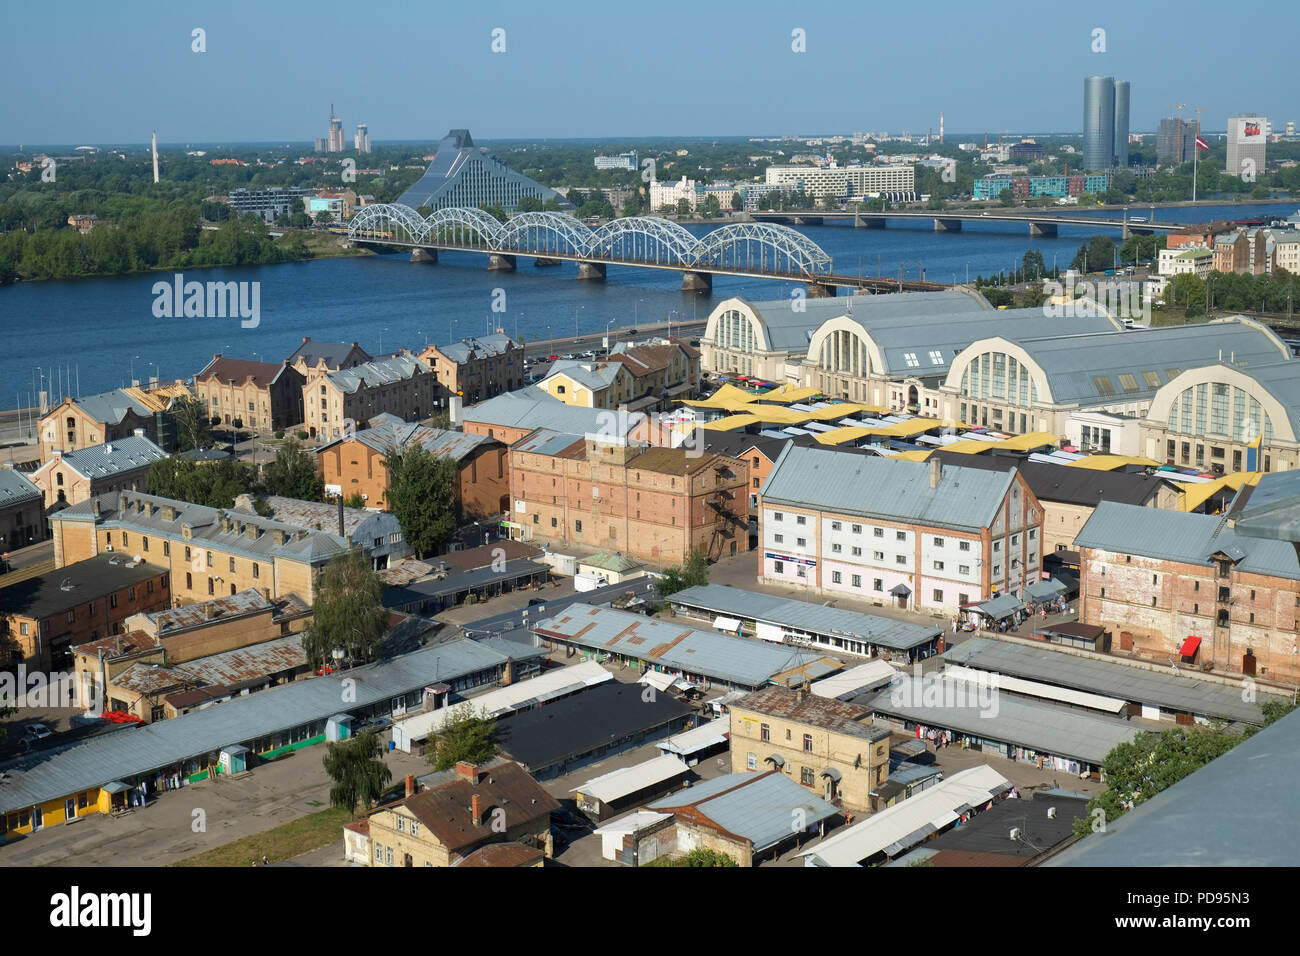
{"points": [[701, 282], [1042, 228], [868, 222], [808, 220], [425, 255], [820, 290], [592, 271], [499, 262], [947, 225], [546, 263]]}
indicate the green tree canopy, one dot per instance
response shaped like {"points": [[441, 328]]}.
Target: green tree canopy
{"points": [[215, 484], [679, 577], [467, 735], [358, 771], [293, 473], [1153, 761], [193, 429], [422, 496], [348, 613]]}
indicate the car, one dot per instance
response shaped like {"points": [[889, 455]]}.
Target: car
{"points": [[552, 358], [590, 353], [35, 732], [376, 725], [695, 343], [534, 602], [631, 331]]}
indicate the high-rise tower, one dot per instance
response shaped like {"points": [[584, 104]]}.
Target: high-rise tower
{"points": [[155, 155], [1121, 123], [1098, 122]]}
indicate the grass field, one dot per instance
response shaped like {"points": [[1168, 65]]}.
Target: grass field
{"points": [[281, 843]]}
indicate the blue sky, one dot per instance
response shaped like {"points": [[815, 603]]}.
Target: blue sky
{"points": [[88, 71]]}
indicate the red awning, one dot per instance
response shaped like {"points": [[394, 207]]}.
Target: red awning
{"points": [[1189, 646]]}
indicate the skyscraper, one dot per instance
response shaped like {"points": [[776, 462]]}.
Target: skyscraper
{"points": [[1105, 122], [1121, 123], [1247, 137], [1098, 122], [362, 140], [1174, 141], [336, 133]]}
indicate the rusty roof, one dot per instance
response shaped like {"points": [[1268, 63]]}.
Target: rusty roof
{"points": [[670, 461], [823, 712], [445, 808], [503, 854], [237, 668], [222, 608], [132, 641], [472, 559], [221, 369]]}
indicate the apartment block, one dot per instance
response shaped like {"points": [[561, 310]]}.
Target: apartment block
{"points": [[262, 396], [69, 478], [477, 368], [399, 385], [314, 359]]}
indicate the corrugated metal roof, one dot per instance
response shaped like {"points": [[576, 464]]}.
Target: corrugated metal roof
{"points": [[626, 781], [707, 734], [855, 680], [381, 371], [15, 488], [958, 705], [483, 346], [1154, 688], [532, 408], [113, 458], [736, 660], [758, 807], [91, 763], [806, 617], [243, 665], [808, 477]]}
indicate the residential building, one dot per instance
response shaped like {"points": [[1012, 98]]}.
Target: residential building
{"points": [[663, 372], [626, 161], [1105, 122], [1192, 588], [669, 194], [459, 811], [1287, 250], [656, 504], [747, 817], [1024, 187], [1231, 252], [400, 385], [1175, 140], [837, 752], [463, 175], [354, 465], [515, 415], [314, 359], [209, 551], [1197, 262], [919, 534], [81, 422], [74, 477], [379, 531], [1247, 144], [22, 511], [262, 396], [844, 182], [339, 203], [270, 202], [594, 384], [361, 142], [477, 368], [83, 222], [44, 617]]}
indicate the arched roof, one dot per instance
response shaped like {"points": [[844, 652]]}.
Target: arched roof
{"points": [[1275, 386]]}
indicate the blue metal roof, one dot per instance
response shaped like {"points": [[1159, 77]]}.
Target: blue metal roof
{"points": [[759, 807], [114, 457]]}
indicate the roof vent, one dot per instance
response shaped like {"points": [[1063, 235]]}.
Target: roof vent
{"points": [[67, 585], [1015, 833], [1051, 813], [108, 448]]}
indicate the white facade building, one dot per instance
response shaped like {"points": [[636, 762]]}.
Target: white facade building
{"points": [[843, 182]]}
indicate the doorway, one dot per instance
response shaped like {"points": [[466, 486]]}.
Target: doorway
{"points": [[70, 808], [38, 818]]}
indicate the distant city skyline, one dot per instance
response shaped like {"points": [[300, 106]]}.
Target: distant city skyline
{"points": [[724, 74]]}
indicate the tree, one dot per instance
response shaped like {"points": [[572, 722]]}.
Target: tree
{"points": [[299, 220], [214, 484], [694, 573], [1188, 292], [702, 857], [354, 500], [529, 204], [358, 771], [193, 429], [683, 207], [496, 212], [468, 735], [349, 612], [712, 208], [422, 496], [1033, 265], [1135, 771], [323, 218], [293, 474], [737, 204]]}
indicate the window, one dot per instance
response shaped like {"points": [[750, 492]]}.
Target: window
{"points": [[145, 542], [189, 581], [755, 484], [801, 571], [577, 525], [778, 538], [256, 570], [963, 599], [124, 544], [800, 519], [900, 535], [751, 762], [112, 600], [764, 732], [388, 855], [778, 516], [878, 555], [836, 526], [877, 584], [938, 542], [187, 554], [210, 560], [554, 523], [806, 776], [149, 587], [379, 850], [963, 545], [900, 559], [779, 567], [878, 532], [807, 743], [938, 565], [401, 825], [997, 545], [857, 580], [857, 552], [801, 542], [857, 529], [938, 597], [1033, 533], [72, 615], [835, 578], [997, 570], [167, 549], [963, 569], [836, 549], [212, 585]]}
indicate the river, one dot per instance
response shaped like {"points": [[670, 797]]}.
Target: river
{"points": [[89, 335]]}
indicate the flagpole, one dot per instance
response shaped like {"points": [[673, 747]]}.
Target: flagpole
{"points": [[1196, 153]]}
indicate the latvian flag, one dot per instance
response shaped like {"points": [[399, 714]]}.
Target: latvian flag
{"points": [[1201, 144]]}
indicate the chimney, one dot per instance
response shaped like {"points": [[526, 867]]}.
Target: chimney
{"points": [[280, 538], [169, 513], [96, 507], [936, 469], [508, 677], [209, 611], [410, 784], [121, 503], [801, 693], [467, 771], [476, 810], [342, 533], [252, 531]]}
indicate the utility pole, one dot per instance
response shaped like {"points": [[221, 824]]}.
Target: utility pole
{"points": [[1196, 152]]}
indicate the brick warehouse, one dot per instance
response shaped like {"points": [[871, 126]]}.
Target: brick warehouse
{"points": [[1191, 589], [657, 504]]}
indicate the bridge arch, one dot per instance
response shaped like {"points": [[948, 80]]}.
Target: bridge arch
{"points": [[460, 225], [762, 247], [387, 221], [537, 233], [644, 239]]}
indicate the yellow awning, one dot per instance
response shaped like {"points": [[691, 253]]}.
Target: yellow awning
{"points": [[844, 434], [1193, 496], [919, 455], [790, 393], [730, 423], [727, 398], [969, 446], [1111, 462], [1027, 441]]}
